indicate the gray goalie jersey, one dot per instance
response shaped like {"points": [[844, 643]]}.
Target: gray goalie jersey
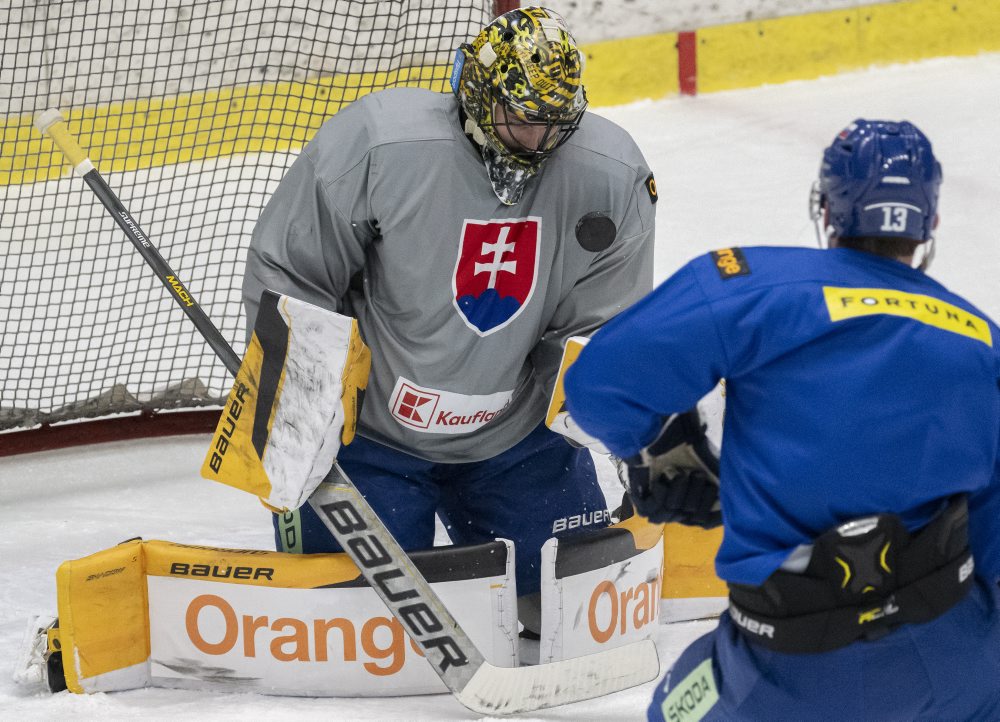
{"points": [[388, 215]]}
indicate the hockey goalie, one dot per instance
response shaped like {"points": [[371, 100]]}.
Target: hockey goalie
{"points": [[428, 254]]}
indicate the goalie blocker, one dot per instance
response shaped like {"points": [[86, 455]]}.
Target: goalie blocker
{"points": [[295, 400], [557, 417]]}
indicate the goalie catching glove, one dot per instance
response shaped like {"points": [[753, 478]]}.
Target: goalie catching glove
{"points": [[296, 399], [557, 417], [676, 477]]}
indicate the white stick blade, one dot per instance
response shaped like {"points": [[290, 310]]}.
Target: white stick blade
{"points": [[510, 690]]}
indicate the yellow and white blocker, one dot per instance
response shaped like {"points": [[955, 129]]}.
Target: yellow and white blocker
{"points": [[557, 417], [296, 399]]}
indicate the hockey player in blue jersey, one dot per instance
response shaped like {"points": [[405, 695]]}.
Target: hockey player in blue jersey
{"points": [[858, 476]]}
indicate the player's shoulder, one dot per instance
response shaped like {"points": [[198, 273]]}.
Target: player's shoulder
{"points": [[794, 273], [410, 114], [940, 291], [601, 138], [735, 268], [794, 270], [392, 115]]}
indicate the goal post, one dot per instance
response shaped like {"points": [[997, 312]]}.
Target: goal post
{"points": [[193, 111]]}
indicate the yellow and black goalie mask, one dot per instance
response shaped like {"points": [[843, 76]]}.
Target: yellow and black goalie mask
{"points": [[520, 85]]}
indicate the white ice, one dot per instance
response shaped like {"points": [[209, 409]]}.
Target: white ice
{"points": [[732, 168]]}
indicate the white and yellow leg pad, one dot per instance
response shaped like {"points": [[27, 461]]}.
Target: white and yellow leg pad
{"points": [[295, 400], [600, 590], [169, 615], [691, 589]]}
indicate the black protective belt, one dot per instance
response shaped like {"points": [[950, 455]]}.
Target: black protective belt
{"points": [[864, 578]]}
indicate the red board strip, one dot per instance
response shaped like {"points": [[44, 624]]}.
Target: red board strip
{"points": [[143, 426], [687, 62]]}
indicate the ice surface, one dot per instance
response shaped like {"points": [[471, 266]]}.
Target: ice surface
{"points": [[732, 168]]}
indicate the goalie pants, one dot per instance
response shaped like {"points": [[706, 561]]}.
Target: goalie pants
{"points": [[945, 669], [524, 493]]}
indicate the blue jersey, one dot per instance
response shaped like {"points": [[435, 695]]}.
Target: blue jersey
{"points": [[855, 385]]}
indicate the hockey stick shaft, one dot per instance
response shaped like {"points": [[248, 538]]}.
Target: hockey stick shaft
{"points": [[385, 566], [345, 512]]}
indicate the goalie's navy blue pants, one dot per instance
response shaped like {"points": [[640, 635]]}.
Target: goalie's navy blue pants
{"points": [[945, 669], [519, 495]]}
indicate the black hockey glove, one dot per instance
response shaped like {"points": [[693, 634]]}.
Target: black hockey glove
{"points": [[676, 478]]}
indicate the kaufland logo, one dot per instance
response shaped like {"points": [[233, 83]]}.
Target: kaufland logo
{"points": [[435, 411], [413, 407]]}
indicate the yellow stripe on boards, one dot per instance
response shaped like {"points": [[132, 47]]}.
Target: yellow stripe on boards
{"points": [[805, 47], [272, 117], [799, 47], [920, 29], [775, 51], [622, 71], [163, 131]]}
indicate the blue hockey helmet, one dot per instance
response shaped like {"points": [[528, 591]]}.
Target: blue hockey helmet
{"points": [[879, 179]]}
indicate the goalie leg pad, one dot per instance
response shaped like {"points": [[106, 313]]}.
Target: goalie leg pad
{"points": [[170, 615], [600, 590], [295, 401]]}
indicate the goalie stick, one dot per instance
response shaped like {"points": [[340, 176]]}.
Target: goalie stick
{"points": [[477, 684]]}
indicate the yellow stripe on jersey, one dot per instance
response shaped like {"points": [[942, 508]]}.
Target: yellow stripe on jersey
{"points": [[844, 303]]}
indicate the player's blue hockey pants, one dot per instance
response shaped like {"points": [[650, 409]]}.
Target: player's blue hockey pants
{"points": [[947, 669], [519, 495]]}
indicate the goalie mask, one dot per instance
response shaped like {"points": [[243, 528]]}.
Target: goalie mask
{"points": [[519, 84], [878, 179]]}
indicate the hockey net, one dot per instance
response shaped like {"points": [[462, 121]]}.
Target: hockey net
{"points": [[193, 112]]}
